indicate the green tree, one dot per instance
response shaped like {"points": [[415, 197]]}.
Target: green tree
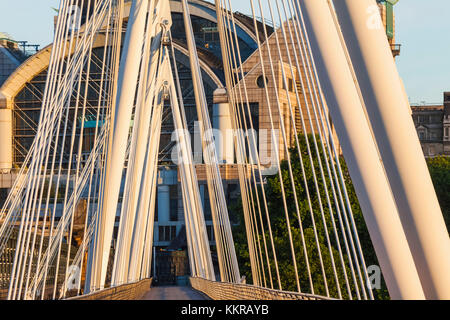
{"points": [[314, 234], [439, 168]]}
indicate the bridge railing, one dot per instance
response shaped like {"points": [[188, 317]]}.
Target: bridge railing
{"points": [[129, 291], [232, 291]]}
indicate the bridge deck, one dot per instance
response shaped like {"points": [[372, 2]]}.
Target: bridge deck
{"points": [[173, 293]]}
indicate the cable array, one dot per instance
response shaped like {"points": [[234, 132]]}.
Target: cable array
{"points": [[295, 108]]}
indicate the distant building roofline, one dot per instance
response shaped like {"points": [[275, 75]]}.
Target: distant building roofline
{"points": [[428, 107], [6, 36]]}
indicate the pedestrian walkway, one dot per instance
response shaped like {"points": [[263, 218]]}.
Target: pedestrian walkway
{"points": [[173, 293]]}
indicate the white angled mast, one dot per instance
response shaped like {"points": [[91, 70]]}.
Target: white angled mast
{"points": [[320, 61], [360, 151], [400, 150], [147, 107]]}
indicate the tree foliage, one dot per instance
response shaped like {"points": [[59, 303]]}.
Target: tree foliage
{"points": [[314, 233], [439, 168], [324, 219]]}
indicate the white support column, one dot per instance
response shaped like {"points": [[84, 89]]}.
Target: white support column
{"points": [[5, 140], [143, 227], [222, 227], [398, 144], [149, 238], [366, 170], [199, 251], [121, 117], [140, 135], [221, 121]]}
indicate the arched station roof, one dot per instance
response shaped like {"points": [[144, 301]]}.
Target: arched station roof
{"points": [[39, 62]]}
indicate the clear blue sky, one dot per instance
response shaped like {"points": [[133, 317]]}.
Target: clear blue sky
{"points": [[423, 29]]}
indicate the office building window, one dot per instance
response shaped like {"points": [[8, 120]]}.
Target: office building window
{"points": [[290, 85], [422, 135], [210, 231], [173, 202], [207, 205], [167, 233]]}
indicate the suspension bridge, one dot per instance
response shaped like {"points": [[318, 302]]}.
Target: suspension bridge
{"points": [[332, 115]]}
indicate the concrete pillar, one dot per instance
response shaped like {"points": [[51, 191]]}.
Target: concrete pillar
{"points": [[360, 152], [222, 122], [163, 204], [5, 140], [399, 147]]}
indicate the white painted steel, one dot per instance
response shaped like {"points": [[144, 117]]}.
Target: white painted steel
{"points": [[389, 114], [5, 140], [198, 243], [121, 117], [225, 141], [361, 154]]}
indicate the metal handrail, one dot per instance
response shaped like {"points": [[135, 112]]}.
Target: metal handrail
{"points": [[234, 291]]}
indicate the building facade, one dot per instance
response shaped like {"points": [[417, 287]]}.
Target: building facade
{"points": [[432, 123]]}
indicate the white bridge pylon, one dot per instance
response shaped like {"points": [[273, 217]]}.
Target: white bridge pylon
{"points": [[147, 47], [316, 60]]}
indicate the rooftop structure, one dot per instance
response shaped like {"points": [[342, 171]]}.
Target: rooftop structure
{"points": [[433, 127], [388, 16]]}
